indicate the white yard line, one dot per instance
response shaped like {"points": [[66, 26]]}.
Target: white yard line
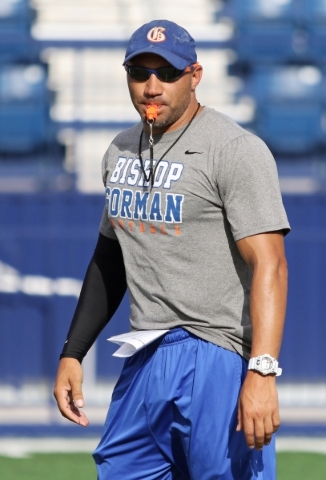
{"points": [[23, 447], [301, 444], [48, 414]]}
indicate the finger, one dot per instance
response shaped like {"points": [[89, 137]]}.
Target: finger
{"points": [[259, 438], [68, 409], [276, 421], [76, 391], [72, 413], [239, 424], [269, 430], [254, 431], [77, 394], [249, 431], [76, 415]]}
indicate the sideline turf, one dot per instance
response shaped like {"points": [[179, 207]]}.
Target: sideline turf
{"points": [[54, 466], [301, 466], [50, 466]]}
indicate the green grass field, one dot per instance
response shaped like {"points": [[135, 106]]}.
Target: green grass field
{"points": [[291, 466], [301, 466]]}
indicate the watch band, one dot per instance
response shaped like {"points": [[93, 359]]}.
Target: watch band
{"points": [[265, 364]]}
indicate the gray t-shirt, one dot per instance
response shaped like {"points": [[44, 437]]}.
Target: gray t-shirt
{"points": [[216, 185]]}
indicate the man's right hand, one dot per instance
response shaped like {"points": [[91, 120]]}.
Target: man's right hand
{"points": [[68, 391]]}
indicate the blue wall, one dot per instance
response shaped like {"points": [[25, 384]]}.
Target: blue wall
{"points": [[53, 235], [305, 330]]}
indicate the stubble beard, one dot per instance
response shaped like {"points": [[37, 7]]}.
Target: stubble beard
{"points": [[172, 118]]}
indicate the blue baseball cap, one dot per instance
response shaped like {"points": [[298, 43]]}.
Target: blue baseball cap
{"points": [[166, 39]]}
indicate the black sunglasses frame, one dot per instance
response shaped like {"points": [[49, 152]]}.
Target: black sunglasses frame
{"points": [[165, 74]]}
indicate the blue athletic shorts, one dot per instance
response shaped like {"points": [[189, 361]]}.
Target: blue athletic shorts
{"points": [[173, 416]]}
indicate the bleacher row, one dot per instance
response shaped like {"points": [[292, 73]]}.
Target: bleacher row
{"points": [[274, 30], [25, 100], [281, 58]]}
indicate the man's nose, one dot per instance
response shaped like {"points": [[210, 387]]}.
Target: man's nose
{"points": [[153, 86]]}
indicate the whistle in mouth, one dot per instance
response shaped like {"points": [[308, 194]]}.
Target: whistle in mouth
{"points": [[151, 112]]}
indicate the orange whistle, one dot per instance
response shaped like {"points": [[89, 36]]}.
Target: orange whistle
{"points": [[151, 112]]}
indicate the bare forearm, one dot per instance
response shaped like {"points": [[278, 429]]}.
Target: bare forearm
{"points": [[267, 307], [258, 412], [265, 256]]}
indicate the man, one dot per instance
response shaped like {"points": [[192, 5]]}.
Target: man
{"points": [[194, 226]]}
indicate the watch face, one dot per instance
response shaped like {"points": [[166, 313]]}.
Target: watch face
{"points": [[266, 363]]}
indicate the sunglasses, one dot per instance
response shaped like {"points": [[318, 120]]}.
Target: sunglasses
{"points": [[165, 74]]}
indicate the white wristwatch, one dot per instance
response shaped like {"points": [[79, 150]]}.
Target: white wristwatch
{"points": [[265, 364]]}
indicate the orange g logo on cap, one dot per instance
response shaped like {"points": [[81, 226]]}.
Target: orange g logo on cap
{"points": [[156, 34]]}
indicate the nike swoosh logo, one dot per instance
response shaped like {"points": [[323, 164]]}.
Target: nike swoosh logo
{"points": [[187, 152]]}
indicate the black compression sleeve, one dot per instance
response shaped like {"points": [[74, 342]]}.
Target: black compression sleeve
{"points": [[103, 289]]}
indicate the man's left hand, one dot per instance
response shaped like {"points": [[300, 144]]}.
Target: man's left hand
{"points": [[258, 411]]}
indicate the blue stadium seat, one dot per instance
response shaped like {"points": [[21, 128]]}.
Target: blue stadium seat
{"points": [[317, 43], [290, 104], [291, 129], [18, 48], [261, 10], [291, 83], [24, 109], [16, 18], [314, 11], [267, 30], [265, 42], [313, 15], [23, 83]]}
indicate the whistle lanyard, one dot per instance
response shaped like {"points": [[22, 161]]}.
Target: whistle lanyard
{"points": [[152, 170]]}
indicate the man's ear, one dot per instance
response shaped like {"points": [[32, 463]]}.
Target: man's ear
{"points": [[196, 77]]}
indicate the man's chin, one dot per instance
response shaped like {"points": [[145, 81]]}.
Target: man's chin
{"points": [[161, 124], [157, 123]]}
